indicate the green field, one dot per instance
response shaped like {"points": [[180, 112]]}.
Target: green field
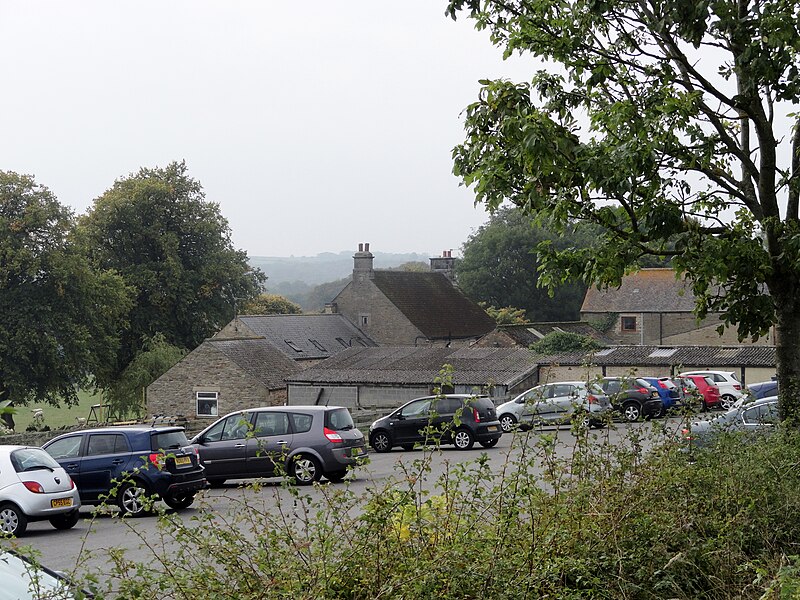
{"points": [[55, 416]]}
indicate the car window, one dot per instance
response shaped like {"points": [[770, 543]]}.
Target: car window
{"points": [[535, 394], [300, 422], [761, 414], [447, 406], [168, 440], [271, 423], [339, 419], [709, 381], [562, 389], [31, 459], [612, 387], [65, 448], [417, 408], [105, 443], [234, 427]]}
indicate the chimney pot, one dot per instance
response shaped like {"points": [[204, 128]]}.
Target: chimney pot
{"points": [[361, 247], [366, 247]]}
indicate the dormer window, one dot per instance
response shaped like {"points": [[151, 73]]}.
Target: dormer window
{"points": [[317, 345], [363, 320], [292, 345]]}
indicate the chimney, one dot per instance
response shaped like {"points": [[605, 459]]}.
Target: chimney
{"points": [[362, 264], [444, 264]]}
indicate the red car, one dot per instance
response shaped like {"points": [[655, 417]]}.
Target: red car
{"points": [[704, 386]]}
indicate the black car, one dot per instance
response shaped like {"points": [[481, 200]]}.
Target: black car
{"points": [[304, 442], [131, 464], [458, 419], [633, 398]]}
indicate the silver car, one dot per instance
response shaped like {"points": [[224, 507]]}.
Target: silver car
{"points": [[34, 487], [758, 417], [553, 403], [303, 442]]}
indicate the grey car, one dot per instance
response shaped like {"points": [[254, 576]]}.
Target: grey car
{"points": [[303, 442], [554, 403], [758, 417]]}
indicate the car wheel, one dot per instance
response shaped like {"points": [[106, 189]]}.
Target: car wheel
{"points": [[380, 441], [12, 520], [507, 423], [179, 501], [631, 411], [336, 476], [463, 439], [65, 521], [305, 469], [726, 401], [132, 499], [490, 443], [582, 419]]}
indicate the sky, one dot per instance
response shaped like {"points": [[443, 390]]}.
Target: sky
{"points": [[315, 125]]}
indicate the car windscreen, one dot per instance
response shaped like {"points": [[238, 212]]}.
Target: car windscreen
{"points": [[339, 419], [168, 440], [32, 459]]}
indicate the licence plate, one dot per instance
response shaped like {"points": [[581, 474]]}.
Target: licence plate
{"points": [[491, 428], [183, 460], [60, 502]]}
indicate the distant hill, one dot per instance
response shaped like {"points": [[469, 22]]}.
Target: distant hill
{"points": [[311, 281]]}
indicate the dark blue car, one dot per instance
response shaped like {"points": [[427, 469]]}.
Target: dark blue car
{"points": [[764, 389], [132, 464]]}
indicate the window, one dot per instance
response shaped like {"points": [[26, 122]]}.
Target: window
{"points": [[447, 406], [301, 423], [317, 345], [563, 389], [105, 444], [363, 320], [67, 448], [271, 423], [418, 408], [762, 414], [627, 323], [233, 428], [207, 404]]}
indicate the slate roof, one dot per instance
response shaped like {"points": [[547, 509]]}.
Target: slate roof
{"points": [[259, 358], [529, 333], [667, 356], [301, 337], [648, 290], [433, 304], [412, 365]]}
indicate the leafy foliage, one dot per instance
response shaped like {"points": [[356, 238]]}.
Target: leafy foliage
{"points": [[173, 248], [672, 126], [59, 316], [508, 315], [271, 304], [562, 341]]}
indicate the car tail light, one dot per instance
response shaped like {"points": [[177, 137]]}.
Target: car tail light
{"points": [[34, 486], [71, 483], [157, 459], [592, 399], [662, 384], [476, 416], [687, 434], [332, 435], [736, 386], [644, 391]]}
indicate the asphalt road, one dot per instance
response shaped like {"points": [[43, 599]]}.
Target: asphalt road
{"points": [[86, 547]]}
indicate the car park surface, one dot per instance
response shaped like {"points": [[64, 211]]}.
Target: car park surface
{"points": [[304, 442], [34, 487], [556, 402], [130, 464], [458, 419]]}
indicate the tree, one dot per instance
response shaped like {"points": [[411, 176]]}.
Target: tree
{"points": [[173, 248], [500, 267], [677, 114], [59, 317], [271, 304], [507, 315]]}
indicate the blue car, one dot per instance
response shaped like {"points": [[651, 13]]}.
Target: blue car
{"points": [[764, 389]]}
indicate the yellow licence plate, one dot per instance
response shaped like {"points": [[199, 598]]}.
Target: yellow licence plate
{"points": [[60, 502], [183, 460]]}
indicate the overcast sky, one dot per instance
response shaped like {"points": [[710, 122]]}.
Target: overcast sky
{"points": [[315, 125]]}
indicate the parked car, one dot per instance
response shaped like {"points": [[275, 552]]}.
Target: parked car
{"points": [[758, 417], [555, 403], [303, 442], [730, 389], [413, 422], [702, 388], [632, 397], [25, 579], [34, 487], [130, 465], [763, 389]]}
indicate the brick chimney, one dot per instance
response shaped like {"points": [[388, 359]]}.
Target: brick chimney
{"points": [[444, 264], [362, 263]]}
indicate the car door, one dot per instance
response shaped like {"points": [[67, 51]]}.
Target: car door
{"points": [[106, 457], [223, 446], [271, 441], [444, 412], [540, 402], [411, 421], [564, 400], [761, 418], [67, 452]]}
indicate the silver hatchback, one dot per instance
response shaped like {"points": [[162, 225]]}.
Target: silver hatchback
{"points": [[303, 442]]}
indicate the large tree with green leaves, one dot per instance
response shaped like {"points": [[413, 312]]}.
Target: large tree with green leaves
{"points": [[662, 122], [59, 316], [499, 267], [174, 249]]}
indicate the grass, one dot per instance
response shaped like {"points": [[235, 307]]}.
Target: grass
{"points": [[56, 416]]}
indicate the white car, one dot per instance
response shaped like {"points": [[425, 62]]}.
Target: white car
{"points": [[34, 487], [554, 403], [730, 389]]}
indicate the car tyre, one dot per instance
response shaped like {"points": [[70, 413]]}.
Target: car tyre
{"points": [[726, 401], [132, 499], [12, 520], [490, 443], [380, 441], [508, 423], [582, 419], [631, 411], [463, 439], [336, 476], [179, 501], [65, 521], [305, 469]]}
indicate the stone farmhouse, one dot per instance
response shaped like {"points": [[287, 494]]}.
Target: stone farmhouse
{"points": [[654, 307]]}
